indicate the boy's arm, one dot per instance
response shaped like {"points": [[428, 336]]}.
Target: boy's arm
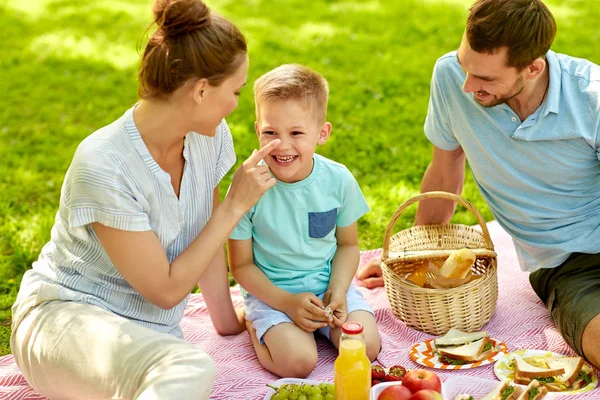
{"points": [[251, 278], [305, 309], [344, 265]]}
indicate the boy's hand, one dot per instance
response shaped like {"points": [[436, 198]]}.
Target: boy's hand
{"points": [[335, 301], [307, 311]]}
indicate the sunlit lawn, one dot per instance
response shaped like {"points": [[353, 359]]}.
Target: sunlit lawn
{"points": [[68, 67]]}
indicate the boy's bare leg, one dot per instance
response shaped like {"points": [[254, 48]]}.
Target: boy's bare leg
{"points": [[288, 351], [370, 332], [590, 341]]}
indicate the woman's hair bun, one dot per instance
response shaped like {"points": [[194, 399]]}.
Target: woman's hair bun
{"points": [[178, 17]]}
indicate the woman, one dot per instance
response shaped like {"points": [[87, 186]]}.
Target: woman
{"points": [[139, 224]]}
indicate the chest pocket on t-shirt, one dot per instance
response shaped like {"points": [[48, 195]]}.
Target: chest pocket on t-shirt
{"points": [[321, 223]]}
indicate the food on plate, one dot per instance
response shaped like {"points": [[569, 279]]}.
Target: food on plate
{"points": [[463, 397], [396, 373], [396, 392], [556, 374], [533, 391], [426, 394], [323, 391], [458, 265], [457, 347], [377, 373], [504, 391], [419, 379]]}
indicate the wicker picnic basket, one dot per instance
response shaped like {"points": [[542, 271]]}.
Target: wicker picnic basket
{"points": [[468, 307]]}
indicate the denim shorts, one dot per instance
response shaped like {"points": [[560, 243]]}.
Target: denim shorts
{"points": [[571, 292], [264, 317]]}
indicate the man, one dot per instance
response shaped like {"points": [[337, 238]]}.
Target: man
{"points": [[528, 121]]}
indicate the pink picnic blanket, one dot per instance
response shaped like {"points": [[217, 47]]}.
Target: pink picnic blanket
{"points": [[521, 320]]}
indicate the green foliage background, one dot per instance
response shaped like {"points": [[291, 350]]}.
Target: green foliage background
{"points": [[68, 67]]}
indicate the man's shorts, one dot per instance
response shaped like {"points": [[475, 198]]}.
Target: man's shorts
{"points": [[263, 317], [571, 292]]}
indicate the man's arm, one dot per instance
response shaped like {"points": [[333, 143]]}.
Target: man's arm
{"points": [[446, 173]]}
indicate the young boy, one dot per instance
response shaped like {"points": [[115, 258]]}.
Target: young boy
{"points": [[296, 251]]}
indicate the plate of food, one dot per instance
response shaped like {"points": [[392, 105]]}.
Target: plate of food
{"points": [[557, 373], [282, 389], [458, 350]]}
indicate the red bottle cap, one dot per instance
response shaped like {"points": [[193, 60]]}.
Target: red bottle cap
{"points": [[352, 328]]}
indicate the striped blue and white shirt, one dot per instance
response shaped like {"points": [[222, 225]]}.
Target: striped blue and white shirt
{"points": [[114, 180]]}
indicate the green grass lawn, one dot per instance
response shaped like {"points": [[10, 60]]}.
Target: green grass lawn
{"points": [[68, 67]]}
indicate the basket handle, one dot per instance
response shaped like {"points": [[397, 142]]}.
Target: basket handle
{"points": [[432, 195]]}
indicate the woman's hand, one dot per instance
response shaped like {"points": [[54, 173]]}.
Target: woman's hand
{"points": [[307, 311], [251, 180], [370, 276], [336, 302]]}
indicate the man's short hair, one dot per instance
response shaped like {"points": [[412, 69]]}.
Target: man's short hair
{"points": [[526, 27], [293, 82]]}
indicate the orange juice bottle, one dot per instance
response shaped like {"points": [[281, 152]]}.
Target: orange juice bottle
{"points": [[352, 367]]}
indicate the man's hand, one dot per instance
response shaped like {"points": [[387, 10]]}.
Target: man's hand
{"points": [[307, 311], [335, 301], [370, 275]]}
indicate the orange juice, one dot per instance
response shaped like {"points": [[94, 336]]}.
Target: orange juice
{"points": [[352, 367]]}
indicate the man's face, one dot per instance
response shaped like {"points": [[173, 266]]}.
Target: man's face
{"points": [[489, 78]]}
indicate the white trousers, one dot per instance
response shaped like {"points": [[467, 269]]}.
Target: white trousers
{"points": [[71, 350]]}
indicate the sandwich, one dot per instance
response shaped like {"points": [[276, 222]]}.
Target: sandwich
{"points": [[554, 373], [504, 391], [533, 391], [456, 337], [572, 367], [525, 372], [457, 347]]}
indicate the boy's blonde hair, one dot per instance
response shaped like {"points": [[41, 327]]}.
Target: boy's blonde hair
{"points": [[293, 82]]}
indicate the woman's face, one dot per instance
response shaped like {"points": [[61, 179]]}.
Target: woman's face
{"points": [[219, 101]]}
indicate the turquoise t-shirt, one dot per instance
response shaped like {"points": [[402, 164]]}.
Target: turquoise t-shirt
{"points": [[540, 177], [293, 226]]}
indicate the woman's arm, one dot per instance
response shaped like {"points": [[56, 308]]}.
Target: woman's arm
{"points": [[214, 285], [141, 259]]}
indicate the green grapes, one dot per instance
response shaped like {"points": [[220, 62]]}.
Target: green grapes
{"points": [[305, 391]]}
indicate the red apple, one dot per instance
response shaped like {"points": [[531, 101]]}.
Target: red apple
{"points": [[419, 379], [395, 392], [426, 394]]}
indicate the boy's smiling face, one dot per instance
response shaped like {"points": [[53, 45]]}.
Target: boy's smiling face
{"points": [[297, 126]]}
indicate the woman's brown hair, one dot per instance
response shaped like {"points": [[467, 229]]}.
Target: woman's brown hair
{"points": [[526, 27], [190, 42]]}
